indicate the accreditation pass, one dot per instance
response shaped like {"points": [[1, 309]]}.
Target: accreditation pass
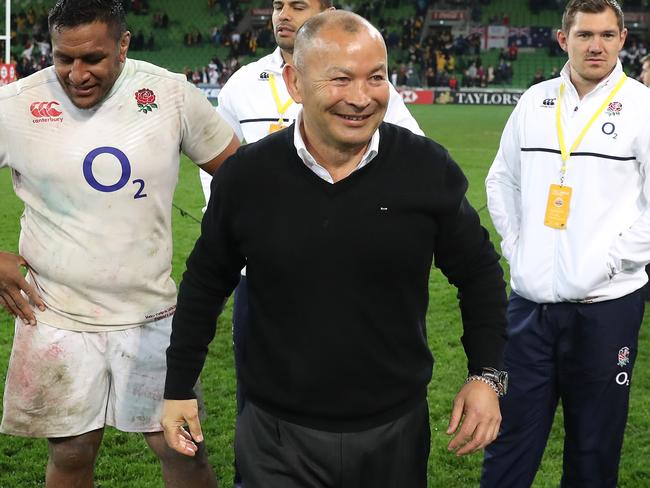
{"points": [[557, 207]]}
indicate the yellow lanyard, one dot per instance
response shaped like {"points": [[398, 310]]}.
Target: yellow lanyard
{"points": [[282, 107], [558, 123]]}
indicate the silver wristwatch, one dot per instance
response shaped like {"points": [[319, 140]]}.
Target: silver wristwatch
{"points": [[497, 380]]}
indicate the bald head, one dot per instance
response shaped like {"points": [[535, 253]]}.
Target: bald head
{"points": [[338, 74], [310, 36]]}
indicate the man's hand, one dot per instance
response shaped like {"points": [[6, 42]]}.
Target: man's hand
{"points": [[478, 406], [177, 414], [12, 283]]}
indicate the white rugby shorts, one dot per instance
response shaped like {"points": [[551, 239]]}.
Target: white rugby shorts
{"points": [[63, 383]]}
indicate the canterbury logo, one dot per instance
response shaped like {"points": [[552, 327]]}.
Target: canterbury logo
{"points": [[45, 109]]}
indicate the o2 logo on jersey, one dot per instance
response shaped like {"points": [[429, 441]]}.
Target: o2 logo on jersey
{"points": [[124, 178], [609, 129]]}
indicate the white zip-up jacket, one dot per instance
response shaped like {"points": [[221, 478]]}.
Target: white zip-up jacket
{"points": [[602, 253]]}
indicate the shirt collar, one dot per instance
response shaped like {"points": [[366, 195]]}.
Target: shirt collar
{"points": [[275, 61], [312, 164], [611, 79]]}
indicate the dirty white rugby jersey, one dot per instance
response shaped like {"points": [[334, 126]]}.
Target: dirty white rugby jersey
{"points": [[98, 186]]}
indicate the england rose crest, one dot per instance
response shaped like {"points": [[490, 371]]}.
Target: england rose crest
{"points": [[614, 108], [624, 356], [146, 99]]}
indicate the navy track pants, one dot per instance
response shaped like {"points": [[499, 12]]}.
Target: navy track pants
{"points": [[582, 354]]}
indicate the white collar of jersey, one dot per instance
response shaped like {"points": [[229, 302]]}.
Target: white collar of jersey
{"points": [[312, 164], [610, 80], [275, 61]]}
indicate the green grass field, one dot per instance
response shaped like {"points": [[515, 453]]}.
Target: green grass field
{"points": [[472, 135]]}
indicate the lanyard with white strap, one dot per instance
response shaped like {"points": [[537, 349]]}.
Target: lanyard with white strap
{"points": [[560, 134]]}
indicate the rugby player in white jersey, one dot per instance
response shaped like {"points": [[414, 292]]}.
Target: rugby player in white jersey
{"points": [[93, 145]]}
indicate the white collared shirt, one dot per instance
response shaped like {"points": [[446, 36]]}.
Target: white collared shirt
{"points": [[312, 164]]}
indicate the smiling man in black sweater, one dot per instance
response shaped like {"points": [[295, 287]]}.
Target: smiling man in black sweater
{"points": [[339, 216]]}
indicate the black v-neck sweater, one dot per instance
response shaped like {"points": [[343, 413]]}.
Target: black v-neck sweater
{"points": [[338, 280]]}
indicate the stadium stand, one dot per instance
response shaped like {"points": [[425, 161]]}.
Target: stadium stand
{"points": [[521, 14], [210, 39]]}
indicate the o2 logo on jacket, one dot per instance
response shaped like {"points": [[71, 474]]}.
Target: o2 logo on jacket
{"points": [[125, 175], [609, 129]]}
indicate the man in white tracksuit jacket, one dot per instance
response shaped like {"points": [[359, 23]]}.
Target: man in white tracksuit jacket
{"points": [[569, 196]]}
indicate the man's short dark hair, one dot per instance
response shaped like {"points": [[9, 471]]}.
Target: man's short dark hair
{"points": [[73, 13], [590, 7], [325, 4]]}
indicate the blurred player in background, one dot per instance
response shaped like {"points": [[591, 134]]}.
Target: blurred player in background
{"points": [[644, 78], [93, 145], [645, 70]]}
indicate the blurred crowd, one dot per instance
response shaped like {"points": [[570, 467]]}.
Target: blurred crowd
{"points": [[631, 54], [30, 31], [437, 59]]}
